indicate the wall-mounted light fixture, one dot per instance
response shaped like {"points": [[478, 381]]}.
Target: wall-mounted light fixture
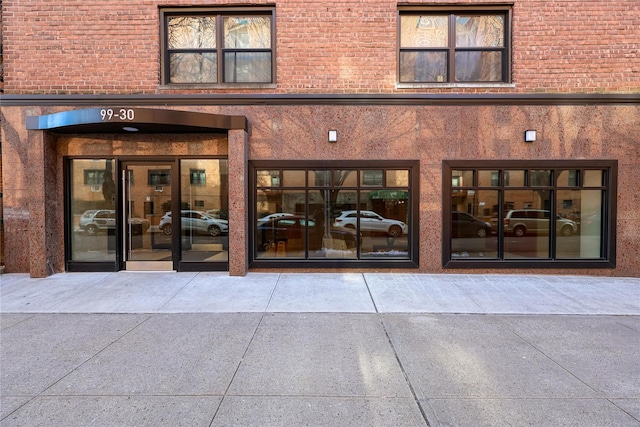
{"points": [[529, 135], [333, 136], [130, 129]]}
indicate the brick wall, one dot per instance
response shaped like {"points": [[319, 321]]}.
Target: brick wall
{"points": [[338, 46]]}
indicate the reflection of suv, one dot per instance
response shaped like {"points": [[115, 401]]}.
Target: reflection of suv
{"points": [[197, 222], [96, 220], [371, 221], [536, 221]]}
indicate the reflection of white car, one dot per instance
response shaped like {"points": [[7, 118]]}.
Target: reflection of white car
{"points": [[371, 221], [273, 216], [95, 220], [196, 222]]}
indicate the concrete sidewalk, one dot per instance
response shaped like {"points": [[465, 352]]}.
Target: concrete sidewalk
{"points": [[201, 349]]}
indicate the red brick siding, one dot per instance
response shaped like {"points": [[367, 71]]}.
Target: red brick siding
{"points": [[339, 46]]}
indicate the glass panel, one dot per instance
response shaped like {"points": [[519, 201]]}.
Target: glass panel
{"points": [[423, 67], [473, 224], [268, 178], [247, 67], [488, 178], [281, 230], [191, 32], [146, 203], [372, 178], [326, 238], [93, 214], [479, 66], [382, 222], [514, 178], [319, 178], [424, 31], [294, 178], [593, 178], [205, 211], [345, 178], [247, 32], [568, 178], [526, 224], [480, 31], [540, 178], [460, 178], [579, 224], [193, 67], [397, 178]]}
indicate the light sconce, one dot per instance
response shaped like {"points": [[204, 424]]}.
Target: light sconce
{"points": [[333, 136], [130, 129], [529, 135]]}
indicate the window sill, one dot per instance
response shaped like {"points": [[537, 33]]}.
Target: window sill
{"points": [[454, 85], [224, 86]]}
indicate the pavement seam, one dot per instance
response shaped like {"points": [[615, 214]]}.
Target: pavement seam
{"points": [[235, 372], [397, 356], [149, 316]]}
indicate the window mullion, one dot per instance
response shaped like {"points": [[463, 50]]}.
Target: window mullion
{"points": [[452, 49]]}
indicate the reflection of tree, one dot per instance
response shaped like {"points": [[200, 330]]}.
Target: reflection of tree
{"points": [[108, 186], [330, 195], [197, 34]]}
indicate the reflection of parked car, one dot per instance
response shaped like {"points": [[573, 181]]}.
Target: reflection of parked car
{"points": [[95, 220], [292, 229], [465, 225], [273, 216], [536, 221], [371, 221], [196, 222]]}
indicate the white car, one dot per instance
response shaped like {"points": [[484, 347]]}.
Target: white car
{"points": [[371, 221], [196, 221], [273, 216]]}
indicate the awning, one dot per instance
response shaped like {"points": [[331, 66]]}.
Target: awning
{"points": [[389, 195], [135, 120]]}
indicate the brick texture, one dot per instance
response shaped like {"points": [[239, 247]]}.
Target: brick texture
{"points": [[335, 46]]}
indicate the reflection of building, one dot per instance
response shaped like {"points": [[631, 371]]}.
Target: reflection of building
{"points": [[218, 116]]}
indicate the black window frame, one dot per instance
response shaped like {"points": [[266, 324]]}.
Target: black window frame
{"points": [[451, 11], [609, 204], [279, 166], [219, 13]]}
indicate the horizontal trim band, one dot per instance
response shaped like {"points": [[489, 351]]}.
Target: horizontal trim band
{"points": [[318, 99]]}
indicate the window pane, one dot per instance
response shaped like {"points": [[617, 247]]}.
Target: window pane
{"points": [[579, 227], [93, 215], [462, 178], [193, 68], [191, 32], [488, 178], [593, 178], [268, 178], [327, 239], [247, 67], [480, 31], [372, 178], [345, 178], [397, 178], [526, 230], [472, 229], [477, 66], [319, 178], [293, 178], [382, 222], [247, 32], [281, 229], [424, 31], [568, 178], [204, 225], [514, 178], [423, 67], [540, 178]]}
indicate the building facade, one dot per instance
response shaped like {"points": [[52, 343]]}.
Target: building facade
{"points": [[439, 137]]}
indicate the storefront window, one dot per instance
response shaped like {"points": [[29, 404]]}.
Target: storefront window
{"points": [[517, 213], [93, 210], [332, 213]]}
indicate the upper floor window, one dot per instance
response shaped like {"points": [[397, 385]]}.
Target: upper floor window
{"points": [[463, 46], [207, 46]]}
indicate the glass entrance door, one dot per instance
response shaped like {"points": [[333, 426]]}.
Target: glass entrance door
{"points": [[146, 212]]}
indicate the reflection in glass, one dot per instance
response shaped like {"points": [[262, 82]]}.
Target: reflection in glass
{"points": [[421, 66], [593, 178], [474, 224], [514, 178], [583, 208], [480, 31], [204, 225], [274, 236], [381, 222], [293, 178], [93, 210], [568, 178], [526, 230], [326, 239], [398, 178], [488, 178], [475, 66], [461, 178], [540, 178], [268, 178], [424, 31]]}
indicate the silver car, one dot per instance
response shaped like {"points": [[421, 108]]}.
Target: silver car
{"points": [[536, 221], [197, 222]]}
